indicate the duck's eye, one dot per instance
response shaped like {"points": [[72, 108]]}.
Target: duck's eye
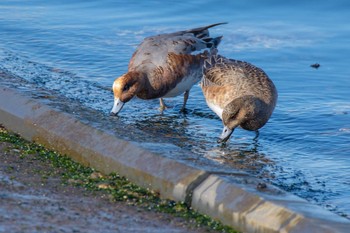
{"points": [[126, 87]]}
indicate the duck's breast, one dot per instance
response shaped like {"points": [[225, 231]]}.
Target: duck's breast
{"points": [[184, 85], [215, 108], [180, 73], [217, 97]]}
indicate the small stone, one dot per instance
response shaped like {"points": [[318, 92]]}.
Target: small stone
{"points": [[16, 150], [96, 175], [261, 186], [316, 65], [73, 181], [104, 186]]}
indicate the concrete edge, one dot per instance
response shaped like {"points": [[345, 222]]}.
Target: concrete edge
{"points": [[268, 210], [239, 205]]}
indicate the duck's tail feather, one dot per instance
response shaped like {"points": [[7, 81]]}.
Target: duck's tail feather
{"points": [[203, 32], [212, 42]]}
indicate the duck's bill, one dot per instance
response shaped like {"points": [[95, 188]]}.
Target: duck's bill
{"points": [[225, 135], [117, 106]]}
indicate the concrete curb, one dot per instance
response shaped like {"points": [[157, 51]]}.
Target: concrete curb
{"points": [[236, 203]]}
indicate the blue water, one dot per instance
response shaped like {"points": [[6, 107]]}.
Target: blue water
{"points": [[77, 49]]}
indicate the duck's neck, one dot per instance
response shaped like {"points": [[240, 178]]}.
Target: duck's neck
{"points": [[143, 85]]}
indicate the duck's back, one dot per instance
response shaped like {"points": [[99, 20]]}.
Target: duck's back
{"points": [[172, 62], [154, 50], [240, 78]]}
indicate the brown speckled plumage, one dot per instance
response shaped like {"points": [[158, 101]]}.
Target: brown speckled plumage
{"points": [[242, 93]]}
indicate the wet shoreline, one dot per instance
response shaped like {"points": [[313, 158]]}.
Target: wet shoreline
{"points": [[172, 179], [164, 134]]}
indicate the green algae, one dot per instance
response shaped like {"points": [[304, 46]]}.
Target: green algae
{"points": [[117, 187]]}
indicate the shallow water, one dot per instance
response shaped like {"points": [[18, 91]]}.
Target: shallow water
{"points": [[75, 49]]}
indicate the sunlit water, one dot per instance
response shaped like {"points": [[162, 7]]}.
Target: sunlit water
{"points": [[75, 49]]}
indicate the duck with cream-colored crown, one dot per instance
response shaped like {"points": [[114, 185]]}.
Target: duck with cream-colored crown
{"points": [[238, 92], [165, 65]]}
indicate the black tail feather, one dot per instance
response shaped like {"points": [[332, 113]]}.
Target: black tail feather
{"points": [[197, 31], [212, 42], [203, 32]]}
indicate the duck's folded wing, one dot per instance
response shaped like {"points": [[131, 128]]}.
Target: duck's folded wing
{"points": [[185, 41], [206, 82], [155, 49], [188, 44], [200, 32], [215, 69]]}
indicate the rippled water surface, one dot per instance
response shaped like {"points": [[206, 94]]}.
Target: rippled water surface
{"points": [[75, 49]]}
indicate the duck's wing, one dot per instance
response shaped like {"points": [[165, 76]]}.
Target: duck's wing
{"points": [[223, 71], [205, 82], [214, 69], [188, 41], [200, 32], [154, 50], [242, 78]]}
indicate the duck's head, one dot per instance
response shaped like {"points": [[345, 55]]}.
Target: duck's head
{"points": [[232, 116], [124, 89], [245, 112]]}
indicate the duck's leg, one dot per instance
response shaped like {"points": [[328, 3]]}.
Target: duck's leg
{"points": [[183, 109], [162, 105], [257, 133]]}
